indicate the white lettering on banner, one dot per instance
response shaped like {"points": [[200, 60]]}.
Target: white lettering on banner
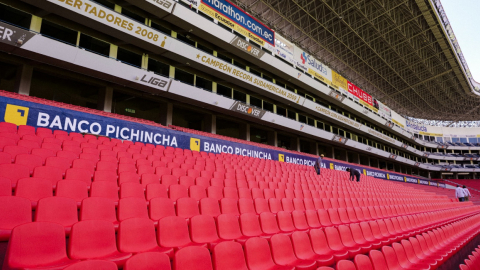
{"points": [[396, 177], [411, 180], [217, 148], [377, 174], [340, 168], [299, 161], [115, 20], [6, 33], [124, 133]]}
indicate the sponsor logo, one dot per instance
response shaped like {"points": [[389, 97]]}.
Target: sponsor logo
{"points": [[336, 96], [422, 182], [166, 4], [154, 81], [13, 35], [246, 109], [17, 115], [339, 139], [332, 166], [392, 156], [195, 144], [281, 157], [247, 47]]}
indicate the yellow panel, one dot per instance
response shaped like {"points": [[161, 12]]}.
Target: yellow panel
{"points": [[16, 114], [195, 144]]}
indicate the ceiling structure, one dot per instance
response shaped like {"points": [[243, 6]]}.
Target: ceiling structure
{"points": [[395, 50]]}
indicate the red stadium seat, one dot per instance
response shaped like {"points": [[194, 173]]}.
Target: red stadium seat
{"points": [[229, 256], [97, 208], [14, 172], [37, 245], [304, 251], [34, 189], [345, 265], [104, 189], [173, 232], [76, 190], [187, 208], [15, 211], [5, 187], [283, 254], [258, 256], [192, 258], [132, 208], [203, 230], [137, 235], [229, 228], [95, 239], [57, 210]]}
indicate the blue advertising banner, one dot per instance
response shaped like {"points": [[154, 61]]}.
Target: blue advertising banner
{"points": [[22, 112], [237, 19]]}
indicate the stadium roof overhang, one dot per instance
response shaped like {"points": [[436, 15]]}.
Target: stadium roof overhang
{"points": [[396, 50]]}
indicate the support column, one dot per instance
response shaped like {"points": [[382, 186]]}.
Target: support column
{"points": [[167, 114], [211, 123], [314, 148], [245, 132], [105, 99], [272, 138], [23, 80]]}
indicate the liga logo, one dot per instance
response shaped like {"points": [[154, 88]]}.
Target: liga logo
{"points": [[195, 144], [17, 115]]}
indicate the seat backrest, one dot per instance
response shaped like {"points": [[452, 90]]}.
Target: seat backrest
{"points": [[391, 257], [34, 189], [333, 239], [362, 262], [209, 206], [378, 260], [228, 227], [173, 232], [15, 211], [58, 210], [345, 265], [229, 256], [92, 239], [269, 223], [250, 225], [160, 208], [132, 207], [187, 207], [257, 253], [229, 206], [104, 189], [36, 243], [136, 235], [285, 221], [302, 245], [98, 208], [203, 229], [192, 258], [282, 249]]}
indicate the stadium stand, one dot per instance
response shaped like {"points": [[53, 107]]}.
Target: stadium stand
{"points": [[248, 213]]}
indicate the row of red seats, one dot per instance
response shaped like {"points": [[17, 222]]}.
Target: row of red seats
{"points": [[95, 240], [473, 261], [64, 211]]}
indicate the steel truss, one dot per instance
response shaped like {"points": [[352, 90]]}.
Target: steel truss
{"points": [[396, 50]]}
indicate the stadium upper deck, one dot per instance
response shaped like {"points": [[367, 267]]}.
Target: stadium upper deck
{"points": [[402, 52], [191, 45]]}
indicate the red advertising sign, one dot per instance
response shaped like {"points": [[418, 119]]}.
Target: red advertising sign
{"points": [[356, 91]]}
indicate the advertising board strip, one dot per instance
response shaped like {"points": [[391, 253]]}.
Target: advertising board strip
{"points": [[21, 112], [312, 66], [235, 18], [284, 49]]}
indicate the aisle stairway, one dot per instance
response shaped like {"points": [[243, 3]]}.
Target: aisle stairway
{"points": [[99, 203]]}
